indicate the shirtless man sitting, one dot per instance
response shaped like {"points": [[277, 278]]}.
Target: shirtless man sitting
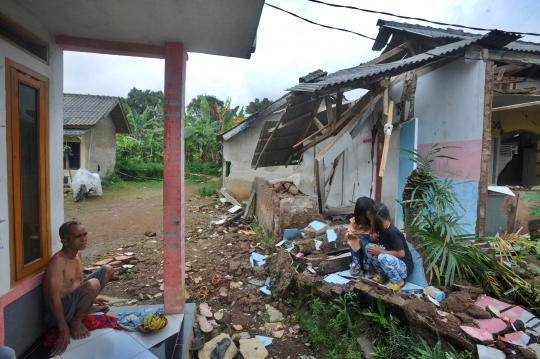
{"points": [[67, 295]]}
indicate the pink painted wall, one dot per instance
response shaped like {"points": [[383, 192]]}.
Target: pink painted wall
{"points": [[468, 155]]}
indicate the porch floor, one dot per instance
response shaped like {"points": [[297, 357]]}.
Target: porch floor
{"points": [[172, 342]]}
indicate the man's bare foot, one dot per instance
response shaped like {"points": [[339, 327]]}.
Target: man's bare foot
{"points": [[77, 329], [96, 308]]}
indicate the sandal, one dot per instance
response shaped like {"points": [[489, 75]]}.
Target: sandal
{"points": [[196, 329], [204, 324], [217, 278], [379, 278], [197, 343], [355, 272], [394, 286], [370, 273], [205, 310], [221, 348]]}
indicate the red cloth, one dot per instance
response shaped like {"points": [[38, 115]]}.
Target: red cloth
{"points": [[91, 322]]}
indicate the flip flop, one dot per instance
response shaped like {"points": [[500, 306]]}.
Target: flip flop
{"points": [[196, 329], [355, 272], [205, 325], [395, 287], [205, 310], [379, 278], [197, 343], [221, 348]]}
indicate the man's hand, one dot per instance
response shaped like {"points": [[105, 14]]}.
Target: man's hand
{"points": [[350, 235], [62, 342], [100, 301], [374, 249]]}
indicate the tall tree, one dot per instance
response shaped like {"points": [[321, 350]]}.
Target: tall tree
{"points": [[212, 100], [257, 105], [139, 101]]}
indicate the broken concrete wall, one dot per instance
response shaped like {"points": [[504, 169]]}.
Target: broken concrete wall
{"points": [[277, 212]]}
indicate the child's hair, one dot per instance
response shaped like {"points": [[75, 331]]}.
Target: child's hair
{"points": [[379, 212], [363, 204]]}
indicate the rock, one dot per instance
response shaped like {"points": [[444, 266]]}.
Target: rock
{"points": [[234, 265], [234, 285], [293, 190], [244, 335], [477, 312], [128, 266], [103, 262], [141, 296], [116, 264], [365, 345], [218, 315], [150, 233], [527, 353], [150, 296], [206, 350], [158, 295], [124, 259], [162, 287], [305, 246], [278, 334], [519, 325], [259, 272], [489, 353], [133, 261], [214, 333], [274, 315], [237, 327], [150, 244], [252, 349]]}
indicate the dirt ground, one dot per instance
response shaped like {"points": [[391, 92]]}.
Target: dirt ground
{"points": [[117, 223]]}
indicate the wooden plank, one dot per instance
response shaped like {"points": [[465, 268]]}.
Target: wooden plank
{"points": [[390, 53], [313, 119], [486, 152], [519, 105], [500, 74], [248, 205], [319, 179], [339, 106], [513, 57], [267, 142], [386, 139], [229, 197], [328, 182], [510, 81], [278, 138], [329, 111], [313, 135], [317, 123], [385, 102], [345, 130], [279, 126]]}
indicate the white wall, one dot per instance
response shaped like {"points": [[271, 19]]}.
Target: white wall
{"points": [[53, 71], [101, 147]]}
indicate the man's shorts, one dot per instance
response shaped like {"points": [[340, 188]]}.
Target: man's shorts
{"points": [[73, 300]]}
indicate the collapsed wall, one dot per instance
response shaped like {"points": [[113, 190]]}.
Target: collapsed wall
{"points": [[282, 205]]}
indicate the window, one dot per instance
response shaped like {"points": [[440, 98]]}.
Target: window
{"points": [[23, 39], [74, 156], [28, 170]]}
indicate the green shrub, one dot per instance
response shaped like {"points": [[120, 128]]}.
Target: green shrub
{"points": [[208, 168], [111, 180], [139, 171], [210, 188]]}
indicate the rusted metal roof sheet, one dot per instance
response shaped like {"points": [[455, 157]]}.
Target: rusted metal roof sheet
{"points": [[357, 76], [87, 110]]}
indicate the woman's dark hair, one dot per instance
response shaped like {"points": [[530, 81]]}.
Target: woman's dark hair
{"points": [[363, 204], [379, 212]]}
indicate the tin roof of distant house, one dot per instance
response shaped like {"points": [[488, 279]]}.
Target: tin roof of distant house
{"points": [[87, 110]]}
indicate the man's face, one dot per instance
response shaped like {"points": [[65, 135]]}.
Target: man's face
{"points": [[77, 238]]}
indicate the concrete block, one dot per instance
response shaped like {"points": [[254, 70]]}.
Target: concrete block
{"points": [[489, 353]]}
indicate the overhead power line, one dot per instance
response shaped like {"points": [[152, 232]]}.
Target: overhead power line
{"points": [[417, 18], [365, 36]]}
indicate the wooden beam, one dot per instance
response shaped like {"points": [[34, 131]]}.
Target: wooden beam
{"points": [[279, 138], [328, 182], [267, 142], [329, 111], [390, 53], [481, 213], [317, 123], [513, 57], [292, 122], [308, 126], [385, 102], [82, 44], [273, 151], [519, 105], [386, 139], [500, 74], [319, 179], [248, 206], [509, 81], [339, 104], [313, 135]]}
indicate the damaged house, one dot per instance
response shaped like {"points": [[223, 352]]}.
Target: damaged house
{"points": [[448, 87]]}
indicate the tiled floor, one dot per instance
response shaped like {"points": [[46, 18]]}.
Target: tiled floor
{"points": [[168, 343]]}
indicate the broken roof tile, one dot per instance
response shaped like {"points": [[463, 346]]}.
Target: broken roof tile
{"points": [[485, 300], [493, 325]]}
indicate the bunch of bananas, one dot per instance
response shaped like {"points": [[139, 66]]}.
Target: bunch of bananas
{"points": [[153, 322]]}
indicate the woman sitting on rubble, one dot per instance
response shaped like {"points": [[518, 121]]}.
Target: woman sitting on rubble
{"points": [[391, 257], [359, 234]]}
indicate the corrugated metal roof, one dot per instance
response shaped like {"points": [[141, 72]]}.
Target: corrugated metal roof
{"points": [[357, 76], [74, 132], [387, 27], [87, 110]]}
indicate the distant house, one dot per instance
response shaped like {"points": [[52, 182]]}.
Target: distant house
{"points": [[90, 127]]}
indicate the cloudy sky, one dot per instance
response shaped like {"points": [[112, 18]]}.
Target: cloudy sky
{"points": [[288, 48]]}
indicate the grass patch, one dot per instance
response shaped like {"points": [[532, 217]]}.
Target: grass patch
{"points": [[210, 189], [139, 171], [264, 238], [209, 168], [190, 178]]}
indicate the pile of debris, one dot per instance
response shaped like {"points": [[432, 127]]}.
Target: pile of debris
{"points": [[215, 327], [286, 187]]}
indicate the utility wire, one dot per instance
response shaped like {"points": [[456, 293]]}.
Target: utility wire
{"points": [[372, 38], [417, 18]]}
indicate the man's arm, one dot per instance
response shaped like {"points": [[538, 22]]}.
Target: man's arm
{"points": [[52, 285]]}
